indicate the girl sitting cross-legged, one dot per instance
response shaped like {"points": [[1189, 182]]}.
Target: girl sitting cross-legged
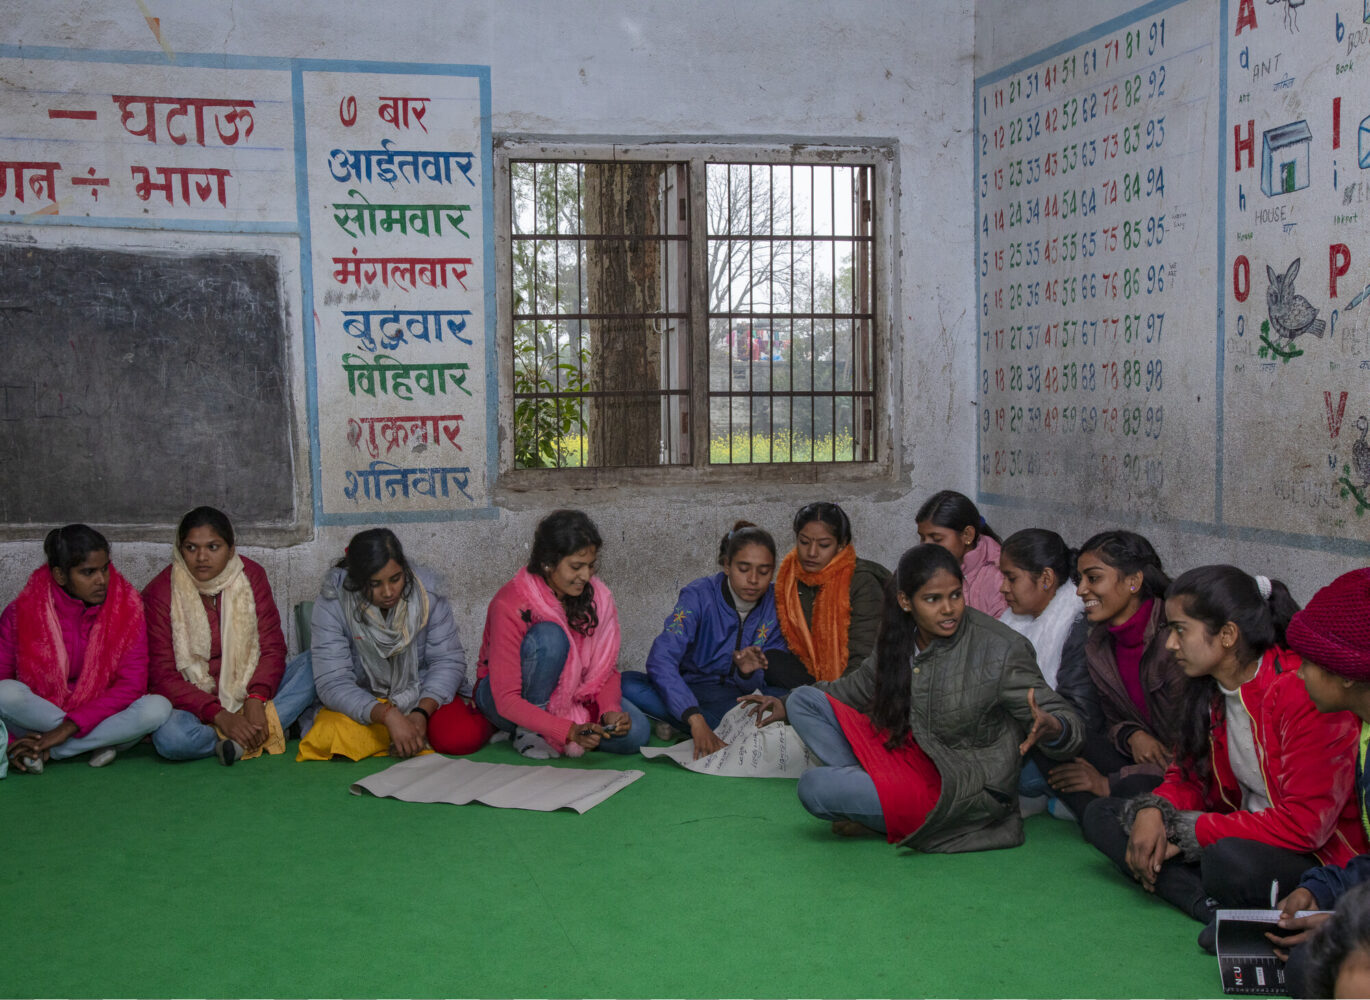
{"points": [[827, 599], [548, 668], [923, 743], [73, 658], [1137, 679], [385, 651], [1260, 788], [1042, 605], [216, 649], [716, 642]]}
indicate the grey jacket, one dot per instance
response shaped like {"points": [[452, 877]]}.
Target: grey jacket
{"points": [[968, 712], [338, 675]]}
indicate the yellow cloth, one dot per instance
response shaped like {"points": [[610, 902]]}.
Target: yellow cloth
{"points": [[275, 735], [337, 735]]}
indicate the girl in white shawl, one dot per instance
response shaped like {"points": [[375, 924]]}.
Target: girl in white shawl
{"points": [[1043, 607]]}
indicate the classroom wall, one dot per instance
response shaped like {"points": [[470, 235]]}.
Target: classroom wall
{"points": [[1255, 444], [716, 71]]}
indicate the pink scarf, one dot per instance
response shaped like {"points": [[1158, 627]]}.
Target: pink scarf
{"points": [[41, 657], [589, 661]]}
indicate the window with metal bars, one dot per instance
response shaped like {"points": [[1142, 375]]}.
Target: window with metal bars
{"points": [[691, 312]]}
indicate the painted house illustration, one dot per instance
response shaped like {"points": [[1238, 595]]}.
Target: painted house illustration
{"points": [[1284, 158]]}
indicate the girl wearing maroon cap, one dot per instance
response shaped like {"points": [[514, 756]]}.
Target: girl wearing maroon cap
{"points": [[1332, 635], [1260, 787]]}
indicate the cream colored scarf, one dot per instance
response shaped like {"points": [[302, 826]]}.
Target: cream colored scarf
{"points": [[239, 645]]}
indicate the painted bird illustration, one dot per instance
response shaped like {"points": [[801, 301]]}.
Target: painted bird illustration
{"points": [[1291, 315], [1360, 452]]}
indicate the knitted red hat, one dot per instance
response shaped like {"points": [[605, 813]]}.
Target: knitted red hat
{"points": [[1334, 630]]}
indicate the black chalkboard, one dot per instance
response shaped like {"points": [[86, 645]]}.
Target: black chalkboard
{"points": [[137, 385]]}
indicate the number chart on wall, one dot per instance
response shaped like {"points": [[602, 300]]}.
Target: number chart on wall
{"points": [[1296, 169], [368, 188], [1096, 256]]}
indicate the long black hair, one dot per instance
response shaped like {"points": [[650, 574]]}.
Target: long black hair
{"points": [[1214, 596], [949, 509], [67, 547], [744, 533], [366, 555], [1036, 550], [831, 515], [558, 535], [1128, 553], [898, 639], [206, 517]]}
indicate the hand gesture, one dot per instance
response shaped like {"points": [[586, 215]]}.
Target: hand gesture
{"points": [[1146, 749], [765, 708], [705, 739], [1299, 899], [1044, 726], [749, 659]]}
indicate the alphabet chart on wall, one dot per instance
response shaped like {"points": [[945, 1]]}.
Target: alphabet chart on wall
{"points": [[1296, 339], [1096, 268]]}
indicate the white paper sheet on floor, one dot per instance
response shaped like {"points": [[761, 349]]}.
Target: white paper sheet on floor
{"points": [[433, 778], [773, 751]]}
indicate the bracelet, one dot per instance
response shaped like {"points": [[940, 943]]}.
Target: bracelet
{"points": [[260, 698], [427, 716]]}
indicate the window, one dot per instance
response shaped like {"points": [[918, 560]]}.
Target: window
{"points": [[706, 310]]}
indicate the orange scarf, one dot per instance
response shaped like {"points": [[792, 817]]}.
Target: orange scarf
{"points": [[822, 650]]}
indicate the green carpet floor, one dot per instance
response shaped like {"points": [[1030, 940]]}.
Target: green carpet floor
{"points": [[269, 879]]}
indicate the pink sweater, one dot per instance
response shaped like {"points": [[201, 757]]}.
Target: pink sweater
{"points": [[501, 661], [76, 621], [983, 579]]}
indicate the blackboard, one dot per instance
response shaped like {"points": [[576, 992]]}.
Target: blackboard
{"points": [[137, 385]]}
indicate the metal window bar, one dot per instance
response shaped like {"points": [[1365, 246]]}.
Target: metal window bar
{"points": [[556, 398], [846, 388]]}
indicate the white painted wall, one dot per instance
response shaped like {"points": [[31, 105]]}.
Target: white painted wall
{"points": [[716, 70]]}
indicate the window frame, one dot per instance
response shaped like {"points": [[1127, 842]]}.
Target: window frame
{"points": [[879, 156]]}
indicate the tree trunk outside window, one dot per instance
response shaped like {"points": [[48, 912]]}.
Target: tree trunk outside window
{"points": [[624, 279]]}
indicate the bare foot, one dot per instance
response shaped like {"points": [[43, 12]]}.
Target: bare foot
{"points": [[851, 828]]}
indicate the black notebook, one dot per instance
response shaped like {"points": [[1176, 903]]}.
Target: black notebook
{"points": [[1246, 958]]}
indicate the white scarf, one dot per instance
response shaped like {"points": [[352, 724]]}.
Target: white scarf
{"points": [[239, 645], [1048, 631], [386, 645]]}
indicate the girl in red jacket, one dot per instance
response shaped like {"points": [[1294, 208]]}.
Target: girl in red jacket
{"points": [[1260, 788]]}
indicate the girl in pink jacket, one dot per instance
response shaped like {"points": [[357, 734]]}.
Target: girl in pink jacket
{"points": [[951, 520]]}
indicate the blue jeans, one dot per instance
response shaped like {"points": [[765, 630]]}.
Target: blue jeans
{"points": [[713, 700], [542, 658], [841, 789], [25, 712], [185, 737], [1032, 782]]}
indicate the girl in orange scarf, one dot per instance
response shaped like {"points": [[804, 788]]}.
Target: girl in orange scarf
{"points": [[827, 599]]}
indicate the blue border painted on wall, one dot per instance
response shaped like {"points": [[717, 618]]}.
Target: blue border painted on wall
{"points": [[297, 68]]}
